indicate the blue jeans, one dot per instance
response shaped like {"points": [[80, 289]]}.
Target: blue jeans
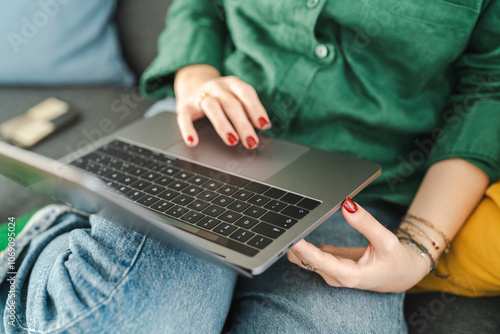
{"points": [[81, 274]]}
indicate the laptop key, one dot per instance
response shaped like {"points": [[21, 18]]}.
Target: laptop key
{"points": [[208, 222], [192, 217], [295, 212], [278, 220], [141, 184], [242, 235], [192, 190], [259, 242], [124, 167], [198, 205], [238, 206], [257, 187], [122, 190], [127, 180], [102, 171], [184, 176], [169, 170], [177, 185], [291, 198], [268, 230], [309, 204], [230, 216], [150, 176], [198, 180], [153, 190], [168, 195], [163, 181], [224, 229], [259, 200], [212, 185], [183, 199], [161, 206], [136, 171], [147, 200], [214, 210], [276, 206], [207, 195], [115, 176], [177, 211], [246, 222], [227, 190], [222, 200], [254, 211], [275, 193], [243, 194]]}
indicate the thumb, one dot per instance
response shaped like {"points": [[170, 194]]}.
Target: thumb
{"points": [[364, 222]]}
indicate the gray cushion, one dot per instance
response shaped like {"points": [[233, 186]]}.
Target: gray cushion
{"points": [[139, 24]]}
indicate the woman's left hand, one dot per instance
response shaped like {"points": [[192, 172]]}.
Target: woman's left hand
{"points": [[385, 265]]}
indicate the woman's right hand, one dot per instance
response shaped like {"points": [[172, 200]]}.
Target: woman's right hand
{"points": [[231, 105]]}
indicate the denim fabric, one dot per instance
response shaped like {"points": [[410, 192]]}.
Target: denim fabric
{"points": [[92, 276]]}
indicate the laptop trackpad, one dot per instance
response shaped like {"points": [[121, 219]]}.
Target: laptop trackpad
{"points": [[269, 158]]}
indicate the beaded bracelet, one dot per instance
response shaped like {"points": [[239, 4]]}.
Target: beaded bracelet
{"points": [[434, 242], [431, 225], [422, 251], [427, 256]]}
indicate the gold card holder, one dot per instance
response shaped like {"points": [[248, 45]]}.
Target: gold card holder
{"points": [[37, 123]]}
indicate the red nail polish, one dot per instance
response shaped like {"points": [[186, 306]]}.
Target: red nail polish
{"points": [[263, 122], [231, 139], [190, 140], [350, 206], [251, 142]]}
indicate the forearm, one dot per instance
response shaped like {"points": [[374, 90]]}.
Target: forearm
{"points": [[447, 196]]}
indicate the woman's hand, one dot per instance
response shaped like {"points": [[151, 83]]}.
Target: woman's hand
{"points": [[231, 105], [385, 265]]}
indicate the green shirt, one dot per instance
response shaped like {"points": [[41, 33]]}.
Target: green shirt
{"points": [[403, 83]]}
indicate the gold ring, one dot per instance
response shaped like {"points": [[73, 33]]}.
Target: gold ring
{"points": [[203, 95], [308, 266]]}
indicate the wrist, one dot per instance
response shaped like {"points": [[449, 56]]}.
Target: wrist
{"points": [[422, 262], [192, 77]]}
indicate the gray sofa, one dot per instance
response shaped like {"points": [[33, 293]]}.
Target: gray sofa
{"points": [[139, 23]]}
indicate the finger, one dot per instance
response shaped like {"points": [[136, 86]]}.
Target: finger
{"points": [[234, 110], [251, 102], [212, 108], [335, 271], [185, 122], [353, 253], [380, 237]]}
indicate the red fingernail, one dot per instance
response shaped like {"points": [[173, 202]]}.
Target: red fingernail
{"points": [[231, 139], [350, 206], [190, 140], [263, 123], [251, 142]]}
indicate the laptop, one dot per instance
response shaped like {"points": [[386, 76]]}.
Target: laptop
{"points": [[238, 208]]}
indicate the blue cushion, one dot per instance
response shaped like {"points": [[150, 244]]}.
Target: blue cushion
{"points": [[59, 42]]}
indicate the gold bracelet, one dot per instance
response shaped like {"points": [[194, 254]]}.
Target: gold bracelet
{"points": [[429, 224], [434, 242]]}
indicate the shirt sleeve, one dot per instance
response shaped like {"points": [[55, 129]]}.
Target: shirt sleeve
{"points": [[195, 34], [471, 128]]}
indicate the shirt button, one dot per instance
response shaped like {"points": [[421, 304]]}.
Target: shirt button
{"points": [[312, 3], [321, 51]]}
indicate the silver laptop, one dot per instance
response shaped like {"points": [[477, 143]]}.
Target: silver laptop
{"points": [[239, 208]]}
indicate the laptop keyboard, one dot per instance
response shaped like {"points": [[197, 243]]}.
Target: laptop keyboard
{"points": [[238, 213]]}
